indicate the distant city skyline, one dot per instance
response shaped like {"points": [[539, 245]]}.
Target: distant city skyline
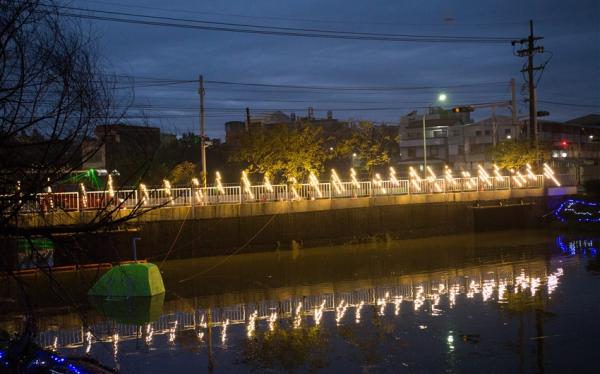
{"points": [[167, 59]]}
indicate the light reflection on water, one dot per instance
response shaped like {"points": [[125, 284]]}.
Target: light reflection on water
{"points": [[426, 319], [424, 297]]}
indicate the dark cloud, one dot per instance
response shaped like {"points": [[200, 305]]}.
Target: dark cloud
{"points": [[570, 29]]}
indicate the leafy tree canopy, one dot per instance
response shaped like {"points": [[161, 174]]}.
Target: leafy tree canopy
{"points": [[515, 155], [282, 151], [372, 145], [183, 173]]}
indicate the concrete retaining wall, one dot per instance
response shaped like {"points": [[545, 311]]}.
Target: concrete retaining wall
{"points": [[177, 213], [224, 229], [224, 235]]}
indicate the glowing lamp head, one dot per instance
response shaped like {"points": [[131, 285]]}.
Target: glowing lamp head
{"points": [[442, 97]]}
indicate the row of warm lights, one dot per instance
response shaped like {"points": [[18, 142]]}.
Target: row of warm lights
{"points": [[413, 174], [339, 186]]}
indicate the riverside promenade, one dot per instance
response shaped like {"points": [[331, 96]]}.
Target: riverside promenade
{"points": [[195, 203]]}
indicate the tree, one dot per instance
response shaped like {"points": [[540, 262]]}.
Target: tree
{"points": [[515, 155], [53, 94], [183, 173], [282, 151], [373, 145]]}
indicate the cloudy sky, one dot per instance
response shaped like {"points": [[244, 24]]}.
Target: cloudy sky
{"points": [[401, 76]]}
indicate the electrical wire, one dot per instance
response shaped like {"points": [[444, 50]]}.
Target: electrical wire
{"points": [[597, 106], [267, 30], [294, 19]]}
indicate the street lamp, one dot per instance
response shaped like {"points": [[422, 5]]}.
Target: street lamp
{"points": [[441, 98]]}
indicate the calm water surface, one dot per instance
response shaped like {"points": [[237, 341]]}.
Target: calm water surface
{"points": [[502, 302]]}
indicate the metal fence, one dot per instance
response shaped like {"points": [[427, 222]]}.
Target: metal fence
{"points": [[462, 184], [352, 189], [400, 187], [313, 192], [262, 193], [129, 199]]}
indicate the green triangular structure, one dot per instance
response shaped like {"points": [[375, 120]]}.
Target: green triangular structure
{"points": [[135, 279]]}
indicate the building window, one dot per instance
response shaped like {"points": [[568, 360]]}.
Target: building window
{"points": [[411, 152], [461, 149], [434, 152], [488, 132], [478, 133], [506, 131], [440, 133]]}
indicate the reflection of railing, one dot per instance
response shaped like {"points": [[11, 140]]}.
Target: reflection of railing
{"points": [[75, 201], [492, 283]]}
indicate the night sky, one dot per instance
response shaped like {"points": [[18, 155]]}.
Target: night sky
{"points": [[466, 72]]}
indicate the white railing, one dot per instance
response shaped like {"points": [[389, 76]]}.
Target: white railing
{"points": [[462, 184], [181, 196], [97, 199], [352, 189], [130, 199], [427, 186], [127, 198], [158, 196], [501, 183], [216, 195], [262, 193], [390, 188], [313, 192], [486, 184]]}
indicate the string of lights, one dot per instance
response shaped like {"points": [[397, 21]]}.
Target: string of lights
{"points": [[578, 211]]}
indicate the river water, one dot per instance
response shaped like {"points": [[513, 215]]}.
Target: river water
{"points": [[519, 301]]}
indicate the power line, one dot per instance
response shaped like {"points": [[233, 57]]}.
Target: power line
{"points": [[141, 106], [294, 19], [270, 30], [171, 82], [597, 106], [334, 88]]}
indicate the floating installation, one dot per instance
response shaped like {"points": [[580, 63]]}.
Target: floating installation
{"points": [[127, 280]]}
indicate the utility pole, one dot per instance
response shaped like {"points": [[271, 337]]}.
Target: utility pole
{"points": [[424, 145], [494, 127], [529, 52], [513, 104], [202, 141], [247, 119]]}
